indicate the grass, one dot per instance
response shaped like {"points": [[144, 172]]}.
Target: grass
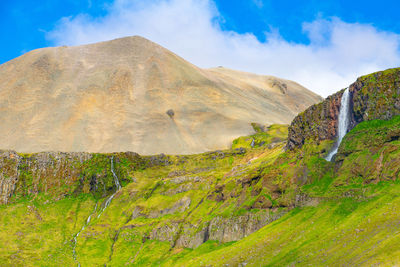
{"points": [[34, 232], [324, 213], [274, 134], [336, 232]]}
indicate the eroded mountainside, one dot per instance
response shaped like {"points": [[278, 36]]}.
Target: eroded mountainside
{"points": [[254, 204], [131, 94]]}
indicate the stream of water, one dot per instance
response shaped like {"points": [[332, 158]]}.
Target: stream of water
{"points": [[343, 123], [107, 203], [75, 239], [117, 184]]}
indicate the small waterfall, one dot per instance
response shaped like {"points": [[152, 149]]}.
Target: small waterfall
{"points": [[116, 181], [343, 122], [75, 239], [117, 184], [107, 203]]}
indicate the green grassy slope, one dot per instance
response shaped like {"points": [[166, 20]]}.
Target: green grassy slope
{"points": [[356, 220], [166, 201], [316, 212], [335, 232]]}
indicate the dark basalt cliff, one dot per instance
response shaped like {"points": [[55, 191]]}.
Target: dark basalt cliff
{"points": [[374, 96], [318, 122], [58, 174]]}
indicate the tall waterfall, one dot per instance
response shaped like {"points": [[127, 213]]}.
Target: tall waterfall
{"points": [[343, 124]]}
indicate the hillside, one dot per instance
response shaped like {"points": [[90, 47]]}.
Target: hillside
{"points": [[131, 94], [256, 204]]}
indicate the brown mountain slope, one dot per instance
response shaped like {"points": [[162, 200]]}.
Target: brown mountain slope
{"points": [[113, 96]]}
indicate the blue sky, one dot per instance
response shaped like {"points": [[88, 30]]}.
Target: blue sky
{"points": [[324, 45], [288, 16]]}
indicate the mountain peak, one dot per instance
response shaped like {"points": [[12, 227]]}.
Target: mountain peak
{"points": [[114, 96]]}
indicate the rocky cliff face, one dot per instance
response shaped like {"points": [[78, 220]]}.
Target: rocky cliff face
{"points": [[222, 229], [55, 174], [374, 96], [9, 162], [318, 122]]}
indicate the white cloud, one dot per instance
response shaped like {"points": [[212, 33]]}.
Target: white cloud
{"points": [[337, 53], [258, 3]]}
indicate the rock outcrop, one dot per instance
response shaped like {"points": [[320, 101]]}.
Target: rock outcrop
{"points": [[374, 96], [226, 229], [9, 162], [318, 122], [223, 229]]}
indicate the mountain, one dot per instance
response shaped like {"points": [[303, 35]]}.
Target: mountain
{"points": [[272, 199], [131, 94]]}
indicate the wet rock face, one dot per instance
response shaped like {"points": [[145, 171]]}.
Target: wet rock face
{"points": [[319, 122], [374, 96]]}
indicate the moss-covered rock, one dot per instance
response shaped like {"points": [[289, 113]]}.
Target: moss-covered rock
{"points": [[374, 96]]}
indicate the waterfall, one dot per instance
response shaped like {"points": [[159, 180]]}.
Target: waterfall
{"points": [[343, 122], [75, 239], [116, 181], [107, 203], [117, 184]]}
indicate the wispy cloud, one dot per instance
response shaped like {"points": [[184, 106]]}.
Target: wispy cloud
{"points": [[337, 52], [258, 3]]}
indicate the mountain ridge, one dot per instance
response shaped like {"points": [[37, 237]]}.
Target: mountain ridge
{"points": [[114, 95]]}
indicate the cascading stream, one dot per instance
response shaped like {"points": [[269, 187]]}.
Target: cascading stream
{"points": [[343, 123], [116, 181], [107, 203], [117, 184], [75, 239]]}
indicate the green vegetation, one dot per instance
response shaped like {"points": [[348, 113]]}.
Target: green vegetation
{"points": [[273, 135], [254, 205], [378, 97], [333, 233]]}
